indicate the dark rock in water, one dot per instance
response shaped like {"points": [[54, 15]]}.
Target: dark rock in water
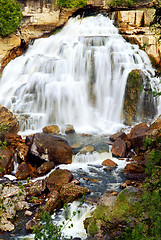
{"points": [[54, 202], [115, 136], [70, 192], [24, 170], [37, 188], [139, 102], [51, 148], [8, 122], [119, 148], [58, 178], [6, 161], [45, 168]]}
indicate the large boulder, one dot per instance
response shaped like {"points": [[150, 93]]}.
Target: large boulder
{"points": [[54, 202], [58, 178], [8, 121], [24, 170], [119, 148], [6, 161], [51, 148], [139, 103], [45, 168], [109, 163], [54, 129]]}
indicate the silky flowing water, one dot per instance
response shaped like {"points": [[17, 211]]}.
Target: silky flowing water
{"points": [[78, 77]]}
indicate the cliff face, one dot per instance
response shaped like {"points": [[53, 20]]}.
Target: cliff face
{"points": [[43, 16]]}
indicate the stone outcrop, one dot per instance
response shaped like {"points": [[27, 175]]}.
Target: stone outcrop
{"points": [[51, 148]]}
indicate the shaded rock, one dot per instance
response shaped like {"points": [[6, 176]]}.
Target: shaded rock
{"points": [[45, 168], [6, 161], [138, 134], [88, 148], [115, 136], [54, 129], [37, 188], [109, 163], [8, 122], [134, 168], [70, 192], [58, 178], [30, 225], [24, 170], [69, 129], [51, 148], [119, 148], [53, 203]]}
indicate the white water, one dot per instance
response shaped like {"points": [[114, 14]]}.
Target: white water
{"points": [[50, 84]]}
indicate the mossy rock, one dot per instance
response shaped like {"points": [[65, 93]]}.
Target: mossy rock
{"points": [[139, 103]]}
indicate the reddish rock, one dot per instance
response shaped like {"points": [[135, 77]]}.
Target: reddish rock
{"points": [[24, 170], [70, 192], [45, 168], [54, 129], [6, 161], [53, 203], [138, 134], [51, 148], [109, 163], [8, 121], [134, 168], [37, 188], [58, 178], [119, 148], [115, 136]]}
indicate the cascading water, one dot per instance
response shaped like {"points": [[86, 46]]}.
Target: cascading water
{"points": [[77, 76]]}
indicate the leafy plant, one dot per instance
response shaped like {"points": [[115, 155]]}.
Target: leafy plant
{"points": [[118, 3], [10, 16], [72, 3]]}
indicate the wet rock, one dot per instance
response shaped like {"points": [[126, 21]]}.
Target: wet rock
{"points": [[8, 122], [58, 178], [30, 225], [45, 168], [69, 129], [37, 188], [6, 161], [86, 149], [54, 202], [51, 148], [54, 129], [138, 134], [70, 192], [134, 168], [94, 180], [109, 163], [24, 170], [115, 136], [119, 148]]}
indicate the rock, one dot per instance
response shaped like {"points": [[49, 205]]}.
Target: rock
{"points": [[51, 148], [70, 192], [6, 161], [137, 135], [30, 225], [119, 148], [54, 129], [28, 213], [8, 122], [75, 181], [109, 163], [53, 203], [94, 180], [107, 200], [58, 178], [115, 136], [45, 168], [86, 149], [24, 170], [69, 129], [37, 188], [134, 168], [6, 225]]}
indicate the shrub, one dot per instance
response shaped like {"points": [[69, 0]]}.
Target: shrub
{"points": [[118, 3], [72, 3], [10, 16]]}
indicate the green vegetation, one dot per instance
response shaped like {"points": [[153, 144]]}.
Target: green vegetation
{"points": [[118, 3], [72, 3], [10, 17]]}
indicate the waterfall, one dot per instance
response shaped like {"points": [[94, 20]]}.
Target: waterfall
{"points": [[77, 76]]}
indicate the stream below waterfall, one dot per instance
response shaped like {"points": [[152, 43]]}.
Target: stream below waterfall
{"points": [[78, 77]]}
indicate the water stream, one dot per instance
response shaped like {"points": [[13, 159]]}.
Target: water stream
{"points": [[78, 77]]}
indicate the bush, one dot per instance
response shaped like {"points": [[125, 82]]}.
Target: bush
{"points": [[72, 3], [118, 3], [10, 17]]}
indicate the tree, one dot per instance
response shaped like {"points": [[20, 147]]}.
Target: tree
{"points": [[10, 16]]}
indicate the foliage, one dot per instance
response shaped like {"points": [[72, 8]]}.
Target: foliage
{"points": [[10, 16], [157, 17], [118, 3], [72, 3]]}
